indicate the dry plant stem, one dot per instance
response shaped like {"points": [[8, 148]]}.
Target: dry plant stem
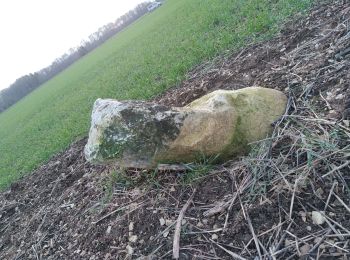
{"points": [[256, 240], [337, 169], [234, 255], [331, 220], [329, 196], [342, 202], [274, 250], [292, 200], [114, 211], [320, 241], [176, 242]]}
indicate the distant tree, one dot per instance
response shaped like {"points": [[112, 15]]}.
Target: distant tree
{"points": [[27, 83]]}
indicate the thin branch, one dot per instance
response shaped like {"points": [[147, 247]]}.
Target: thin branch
{"points": [[176, 242]]}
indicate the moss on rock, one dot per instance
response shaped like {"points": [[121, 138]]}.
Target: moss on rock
{"points": [[141, 134]]}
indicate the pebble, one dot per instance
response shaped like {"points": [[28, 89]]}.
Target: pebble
{"points": [[199, 224], [214, 237], [162, 221], [168, 222], [304, 249], [129, 249], [109, 229], [318, 218], [340, 96], [133, 238], [131, 226]]}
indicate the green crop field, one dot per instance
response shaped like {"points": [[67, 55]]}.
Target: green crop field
{"points": [[148, 57]]}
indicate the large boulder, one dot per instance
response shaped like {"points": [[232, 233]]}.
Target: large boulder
{"points": [[142, 135]]}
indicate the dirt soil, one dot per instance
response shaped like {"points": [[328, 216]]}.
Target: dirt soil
{"points": [[262, 206]]}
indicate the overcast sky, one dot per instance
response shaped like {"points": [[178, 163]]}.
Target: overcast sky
{"points": [[34, 33]]}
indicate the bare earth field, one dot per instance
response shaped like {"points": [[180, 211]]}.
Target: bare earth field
{"points": [[257, 206]]}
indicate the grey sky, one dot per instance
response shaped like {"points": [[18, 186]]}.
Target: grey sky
{"points": [[34, 33]]}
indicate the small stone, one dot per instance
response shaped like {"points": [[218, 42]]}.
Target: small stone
{"points": [[340, 96], [168, 222], [131, 226], [109, 229], [199, 224], [165, 234], [308, 228], [318, 218], [214, 237], [304, 249], [133, 238], [303, 215], [183, 222], [162, 221], [172, 189], [129, 249]]}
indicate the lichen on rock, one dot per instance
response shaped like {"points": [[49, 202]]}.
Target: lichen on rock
{"points": [[141, 134]]}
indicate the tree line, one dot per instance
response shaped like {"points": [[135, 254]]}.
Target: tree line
{"points": [[27, 83]]}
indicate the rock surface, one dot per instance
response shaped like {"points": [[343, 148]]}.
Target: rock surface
{"points": [[142, 135]]}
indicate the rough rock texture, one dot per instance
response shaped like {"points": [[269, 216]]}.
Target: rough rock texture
{"points": [[142, 135]]}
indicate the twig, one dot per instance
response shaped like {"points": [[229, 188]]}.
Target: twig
{"points": [[320, 241], [292, 200], [329, 196], [336, 169], [36, 254], [256, 240], [234, 255], [176, 242], [342, 202], [205, 231], [114, 211]]}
